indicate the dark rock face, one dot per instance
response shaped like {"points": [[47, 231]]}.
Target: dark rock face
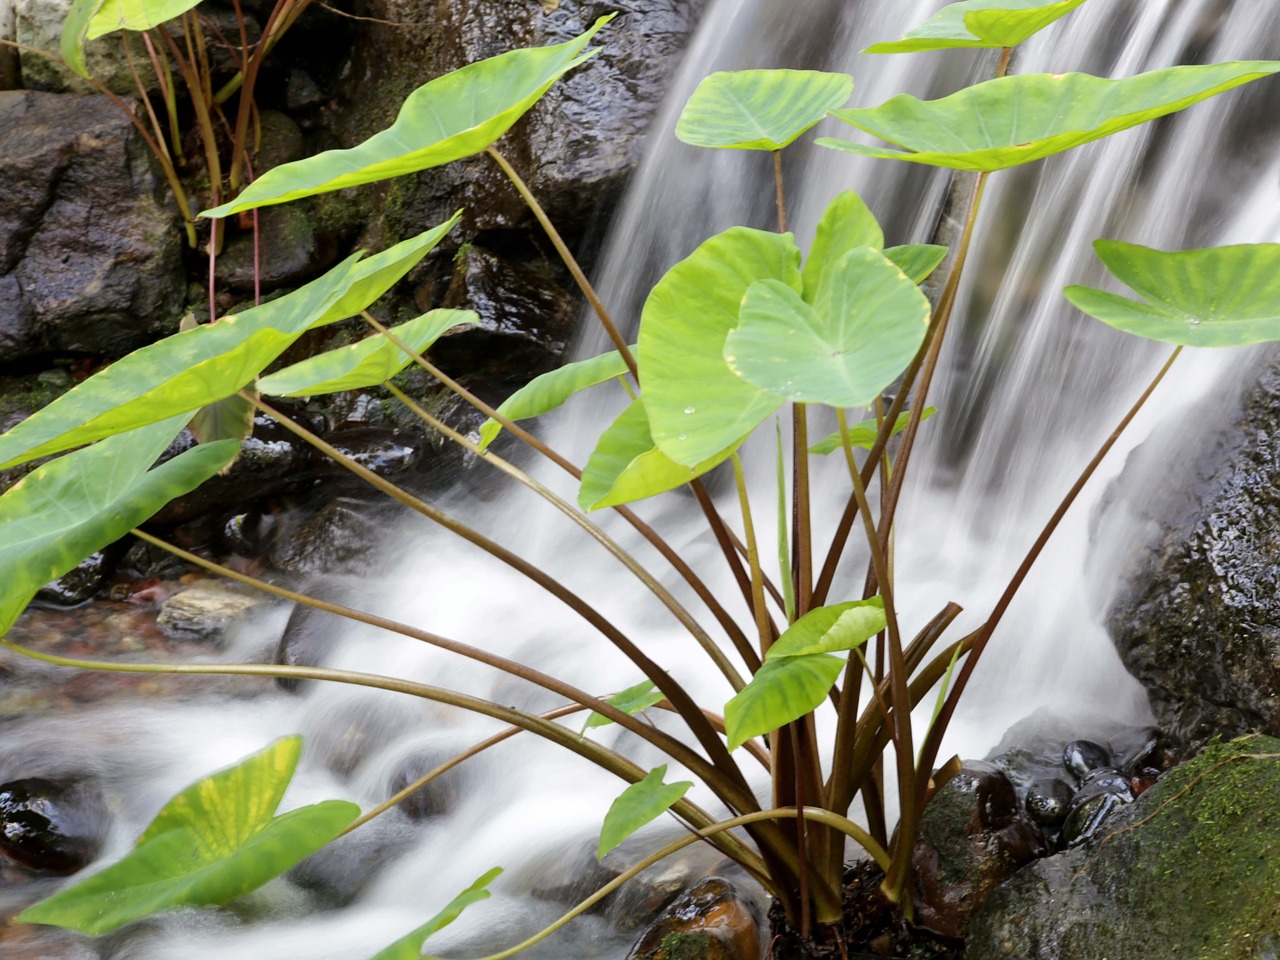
{"points": [[1198, 620], [52, 827], [89, 245], [1168, 878]]}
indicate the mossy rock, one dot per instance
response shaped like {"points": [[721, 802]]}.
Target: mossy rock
{"points": [[1191, 871]]}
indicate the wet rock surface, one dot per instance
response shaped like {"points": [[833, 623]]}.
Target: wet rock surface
{"points": [[1198, 618], [711, 921], [51, 827], [205, 611], [1167, 877], [89, 242]]}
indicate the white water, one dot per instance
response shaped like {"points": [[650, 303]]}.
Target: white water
{"points": [[1029, 387]]}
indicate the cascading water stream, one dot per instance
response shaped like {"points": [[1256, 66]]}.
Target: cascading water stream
{"points": [[1029, 388]]}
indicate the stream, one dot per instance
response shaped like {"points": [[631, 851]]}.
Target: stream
{"points": [[1029, 388]]}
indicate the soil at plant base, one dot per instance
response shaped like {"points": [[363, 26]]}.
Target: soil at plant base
{"points": [[872, 928]]}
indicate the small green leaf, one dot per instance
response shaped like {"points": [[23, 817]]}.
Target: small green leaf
{"points": [[864, 434], [369, 363], [917, 260], [197, 367], [847, 223], [639, 804], [799, 669], [1013, 120], [627, 466], [697, 406], [115, 15], [67, 509], [630, 701], [759, 109], [453, 116], [980, 23], [1219, 297], [75, 30], [410, 946], [229, 419], [867, 322], [215, 841], [543, 394]]}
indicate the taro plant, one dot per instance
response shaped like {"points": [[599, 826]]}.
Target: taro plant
{"points": [[747, 332]]}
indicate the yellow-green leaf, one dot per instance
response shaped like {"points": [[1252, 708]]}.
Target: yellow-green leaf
{"points": [[759, 109], [864, 434], [980, 23], [639, 804], [410, 946]]}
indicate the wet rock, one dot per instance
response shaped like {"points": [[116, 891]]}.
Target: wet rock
{"points": [[713, 921], [1197, 619], [49, 826], [1191, 869], [1081, 756], [972, 838], [205, 611], [39, 25], [341, 870], [1047, 801], [89, 240], [1102, 791], [340, 537], [287, 252], [79, 585], [436, 798]]}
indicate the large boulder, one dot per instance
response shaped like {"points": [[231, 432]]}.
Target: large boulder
{"points": [[1197, 616], [90, 258], [1190, 870]]}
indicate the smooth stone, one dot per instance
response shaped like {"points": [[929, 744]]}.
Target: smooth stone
{"points": [[1081, 756], [1047, 801], [205, 611], [50, 826], [712, 921], [78, 585]]}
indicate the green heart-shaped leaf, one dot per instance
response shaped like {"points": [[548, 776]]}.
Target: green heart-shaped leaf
{"points": [[454, 116], [543, 394], [1014, 120], [1220, 297], [67, 509], [197, 367], [409, 947], [799, 669], [627, 466], [213, 842], [867, 322], [759, 109], [916, 260], [630, 701], [847, 223], [864, 434], [371, 362], [980, 23], [639, 804], [697, 406]]}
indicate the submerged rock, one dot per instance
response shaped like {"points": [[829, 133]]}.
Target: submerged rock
{"points": [[49, 826], [1189, 870], [205, 610], [712, 921]]}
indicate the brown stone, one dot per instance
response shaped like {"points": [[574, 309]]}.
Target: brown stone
{"points": [[712, 921]]}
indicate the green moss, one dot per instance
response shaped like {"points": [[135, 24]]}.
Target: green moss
{"points": [[691, 945]]}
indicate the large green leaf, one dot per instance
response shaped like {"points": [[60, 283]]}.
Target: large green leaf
{"points": [[1220, 297], [867, 322], [368, 363], [639, 804], [627, 466], [846, 223], [980, 23], [543, 394], [1015, 120], [800, 669], [759, 109], [68, 508], [697, 406], [194, 368], [864, 434], [410, 946], [630, 701], [115, 15], [215, 841], [451, 117]]}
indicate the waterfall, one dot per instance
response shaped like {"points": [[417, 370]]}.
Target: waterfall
{"points": [[1029, 389]]}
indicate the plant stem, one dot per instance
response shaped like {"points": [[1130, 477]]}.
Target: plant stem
{"points": [[802, 553], [753, 558], [983, 635], [778, 191], [592, 530]]}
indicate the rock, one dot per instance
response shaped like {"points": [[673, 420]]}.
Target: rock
{"points": [[288, 253], [1101, 792], [1189, 870], [79, 585], [713, 921], [204, 611], [1047, 801], [1197, 618], [972, 838], [436, 798], [309, 635], [340, 537], [89, 242], [51, 827], [39, 25], [1079, 757]]}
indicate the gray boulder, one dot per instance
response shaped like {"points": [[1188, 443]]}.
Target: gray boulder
{"points": [[89, 242], [1190, 870], [1197, 618]]}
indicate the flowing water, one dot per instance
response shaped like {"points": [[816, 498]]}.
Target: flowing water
{"points": [[1029, 389]]}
